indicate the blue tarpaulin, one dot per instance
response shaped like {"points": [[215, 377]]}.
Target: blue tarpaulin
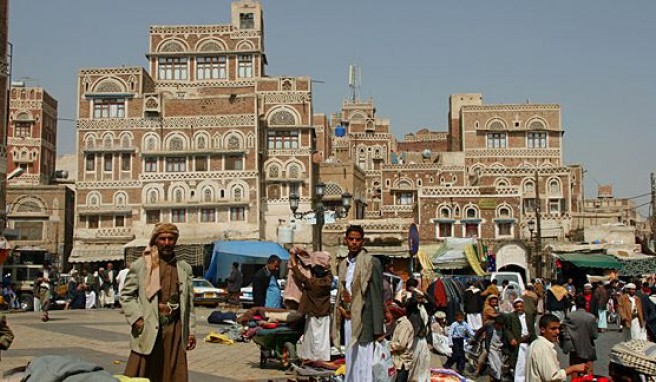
{"points": [[244, 252]]}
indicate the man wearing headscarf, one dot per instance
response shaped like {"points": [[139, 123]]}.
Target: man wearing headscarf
{"points": [[631, 314], [520, 332], [315, 305], [157, 302]]}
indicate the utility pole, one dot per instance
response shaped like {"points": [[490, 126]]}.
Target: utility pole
{"points": [[653, 210], [538, 220]]}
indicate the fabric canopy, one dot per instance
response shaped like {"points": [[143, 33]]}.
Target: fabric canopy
{"points": [[637, 264], [451, 254], [243, 252], [590, 260], [90, 253]]}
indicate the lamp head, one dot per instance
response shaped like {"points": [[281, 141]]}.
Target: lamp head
{"points": [[293, 202], [531, 225], [319, 189]]}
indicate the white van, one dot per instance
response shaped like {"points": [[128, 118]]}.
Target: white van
{"points": [[514, 278]]}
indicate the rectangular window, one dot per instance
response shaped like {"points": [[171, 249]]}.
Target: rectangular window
{"points": [[234, 162], [404, 198], [176, 164], [445, 229], [152, 216], [245, 66], [178, 215], [237, 214], [283, 140], [119, 221], [208, 215], [29, 230], [172, 68], [107, 159], [505, 229], [211, 68], [93, 221], [554, 206], [246, 21], [109, 108], [201, 164], [22, 129], [471, 229], [90, 162], [536, 140], [529, 205], [150, 164], [496, 141], [126, 160]]}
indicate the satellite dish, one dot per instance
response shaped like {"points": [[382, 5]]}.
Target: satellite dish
{"points": [[427, 153], [340, 131]]}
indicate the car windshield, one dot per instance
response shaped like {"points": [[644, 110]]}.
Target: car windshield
{"points": [[203, 283]]}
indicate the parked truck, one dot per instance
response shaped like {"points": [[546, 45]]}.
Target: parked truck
{"points": [[24, 265]]}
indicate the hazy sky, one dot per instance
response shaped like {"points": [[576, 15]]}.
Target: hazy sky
{"points": [[596, 58]]}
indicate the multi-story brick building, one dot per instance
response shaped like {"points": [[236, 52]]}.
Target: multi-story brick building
{"points": [[31, 136], [484, 178], [40, 209], [4, 86], [204, 139]]}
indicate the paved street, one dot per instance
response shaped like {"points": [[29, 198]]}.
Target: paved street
{"points": [[101, 336]]}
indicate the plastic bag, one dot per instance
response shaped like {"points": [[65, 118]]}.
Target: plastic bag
{"points": [[383, 365], [441, 345]]}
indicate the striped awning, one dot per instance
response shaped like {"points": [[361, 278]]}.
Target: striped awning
{"points": [[90, 253]]}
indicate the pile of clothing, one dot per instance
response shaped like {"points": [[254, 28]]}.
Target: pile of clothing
{"points": [[269, 321]]}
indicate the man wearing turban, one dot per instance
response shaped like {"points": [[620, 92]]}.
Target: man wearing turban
{"points": [[158, 304]]}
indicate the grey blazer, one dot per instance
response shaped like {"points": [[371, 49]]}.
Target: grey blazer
{"points": [[136, 305]]}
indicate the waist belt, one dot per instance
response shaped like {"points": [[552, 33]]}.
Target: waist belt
{"points": [[168, 313]]}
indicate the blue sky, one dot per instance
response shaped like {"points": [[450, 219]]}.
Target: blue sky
{"points": [[596, 58]]}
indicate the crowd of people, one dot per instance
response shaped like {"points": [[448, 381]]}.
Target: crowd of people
{"points": [[515, 329]]}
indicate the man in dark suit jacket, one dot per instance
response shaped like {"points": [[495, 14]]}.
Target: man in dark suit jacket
{"points": [[264, 290], [582, 330], [520, 330]]}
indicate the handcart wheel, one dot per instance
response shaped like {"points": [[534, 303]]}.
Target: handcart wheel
{"points": [[288, 354]]}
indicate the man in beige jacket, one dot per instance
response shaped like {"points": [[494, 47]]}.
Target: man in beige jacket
{"points": [[157, 301]]}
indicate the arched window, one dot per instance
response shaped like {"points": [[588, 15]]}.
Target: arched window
{"points": [[201, 143], [108, 142], [93, 200], [529, 186], [207, 195], [554, 187], [445, 213], [233, 143], [274, 171], [90, 142], [504, 212], [152, 197], [176, 144], [150, 144], [178, 195], [471, 213], [282, 118], [126, 141], [237, 193], [293, 171]]}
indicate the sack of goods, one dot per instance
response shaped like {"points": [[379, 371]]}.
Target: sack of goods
{"points": [[639, 355]]}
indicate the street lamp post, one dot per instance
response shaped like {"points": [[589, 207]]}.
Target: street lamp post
{"points": [[535, 252], [319, 209]]}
